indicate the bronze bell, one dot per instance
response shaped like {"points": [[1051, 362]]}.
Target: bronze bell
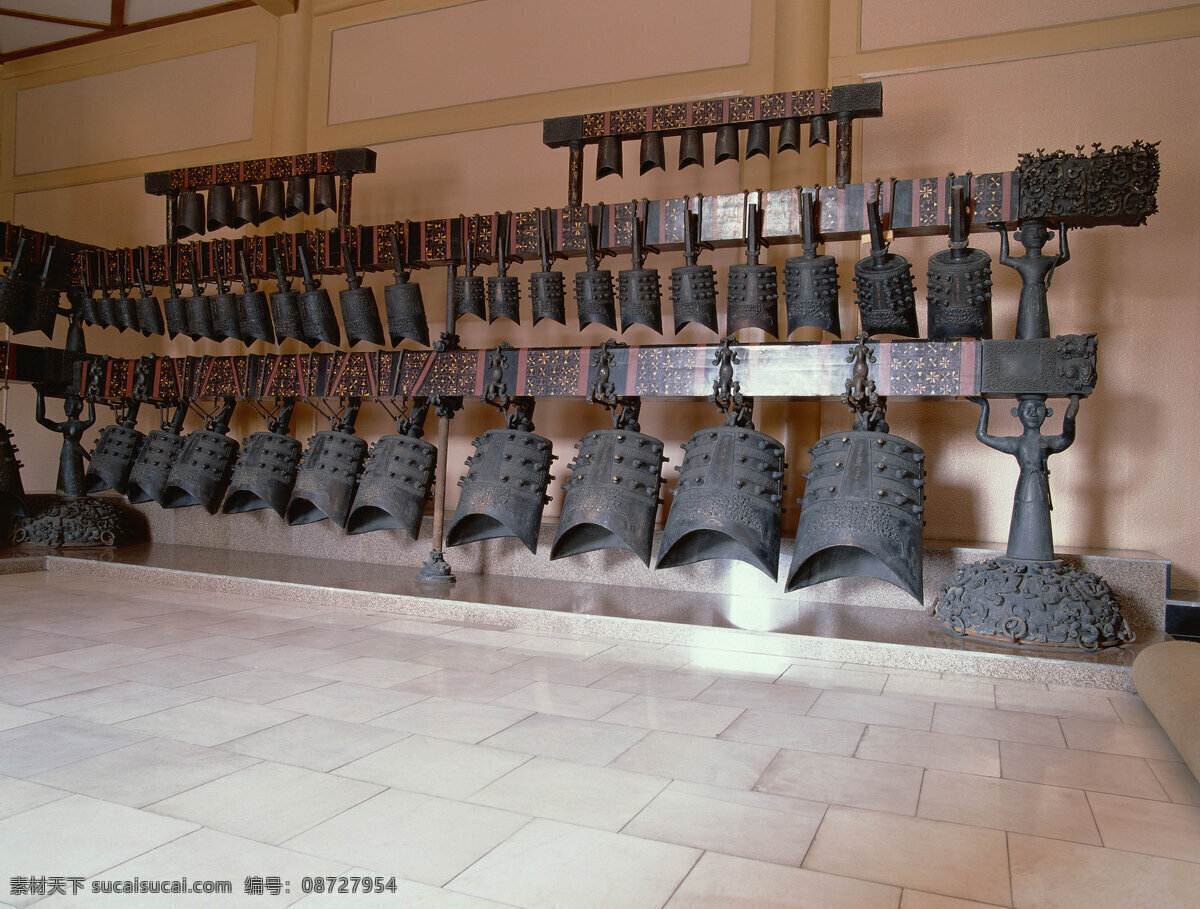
{"points": [[296, 200], [42, 315], [103, 306], [189, 215], [469, 293], [594, 287], [266, 468], [728, 144], [862, 512], [149, 313], [12, 493], [653, 155], [324, 193], [810, 282], [327, 476], [789, 135], [113, 458], [752, 300], [285, 305], [125, 311], [16, 295], [201, 472], [818, 131], [693, 287], [360, 312], [758, 139], [226, 322], [149, 475], [612, 495], [504, 291], [199, 307], [396, 480], [272, 202], [254, 313], [691, 148], [220, 207], [87, 307], [504, 491], [960, 281], [174, 307], [608, 156], [402, 300], [316, 310], [883, 284], [638, 288], [728, 501], [547, 292], [245, 205]]}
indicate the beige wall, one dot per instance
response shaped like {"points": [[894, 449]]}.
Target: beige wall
{"points": [[452, 96]]}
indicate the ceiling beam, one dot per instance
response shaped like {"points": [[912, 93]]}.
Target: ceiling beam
{"points": [[278, 7], [59, 20], [116, 17]]}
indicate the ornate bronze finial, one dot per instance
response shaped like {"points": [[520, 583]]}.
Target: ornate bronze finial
{"points": [[602, 390], [869, 408], [727, 393], [495, 392]]}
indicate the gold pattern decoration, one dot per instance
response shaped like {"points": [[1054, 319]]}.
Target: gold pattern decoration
{"points": [[552, 372]]}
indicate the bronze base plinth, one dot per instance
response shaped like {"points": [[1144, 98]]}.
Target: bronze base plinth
{"points": [[76, 522], [1032, 604]]}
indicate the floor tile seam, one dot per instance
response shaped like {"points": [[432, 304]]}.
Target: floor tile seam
{"points": [[1059, 838], [1165, 800], [686, 875], [223, 746], [210, 697], [1171, 760], [1091, 792], [445, 885]]}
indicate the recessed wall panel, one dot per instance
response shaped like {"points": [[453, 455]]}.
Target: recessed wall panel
{"points": [[197, 100], [506, 48]]}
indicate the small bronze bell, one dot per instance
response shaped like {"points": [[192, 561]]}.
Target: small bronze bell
{"points": [[220, 207], [316, 310], [960, 281], [810, 282], [402, 300], [189, 215], [594, 287], [272, 202], [546, 287], [691, 148], [818, 131], [639, 289], [174, 307], [752, 300], [254, 313], [199, 307], [226, 323], [608, 157], [149, 313], [469, 292], [728, 144], [16, 295], [324, 193], [125, 311], [693, 287], [245, 205], [45, 302], [758, 139], [504, 291], [883, 283], [653, 155], [285, 305], [296, 200], [789, 135], [360, 312]]}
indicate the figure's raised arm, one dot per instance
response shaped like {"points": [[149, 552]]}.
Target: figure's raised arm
{"points": [[39, 413], [1063, 441], [1005, 258], [1000, 443], [1064, 253]]}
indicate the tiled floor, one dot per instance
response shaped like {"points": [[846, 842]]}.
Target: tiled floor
{"points": [[155, 733]]}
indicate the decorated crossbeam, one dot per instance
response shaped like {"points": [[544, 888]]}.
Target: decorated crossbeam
{"points": [[1116, 187], [259, 170], [1054, 366], [34, 246]]}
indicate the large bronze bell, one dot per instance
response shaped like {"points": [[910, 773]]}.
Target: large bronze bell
{"points": [[396, 480], [504, 491], [328, 474], [12, 493], [608, 157], [226, 320], [402, 300], [810, 282], [149, 475], [189, 215], [504, 290], [883, 283], [266, 468], [594, 287], [220, 207], [693, 286], [201, 472], [752, 300], [316, 310], [324, 193], [245, 205], [612, 495], [469, 293], [272, 202], [960, 281], [16, 295], [638, 288], [728, 501], [254, 313], [547, 291], [116, 450], [285, 305], [360, 312], [653, 155], [862, 512], [296, 201]]}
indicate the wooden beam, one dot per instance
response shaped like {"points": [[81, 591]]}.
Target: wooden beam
{"points": [[58, 20], [116, 18], [277, 7]]}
